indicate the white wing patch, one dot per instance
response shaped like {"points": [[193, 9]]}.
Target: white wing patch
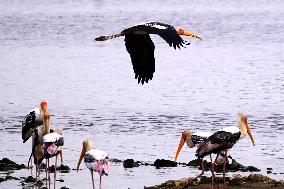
{"points": [[153, 24], [231, 129], [202, 134]]}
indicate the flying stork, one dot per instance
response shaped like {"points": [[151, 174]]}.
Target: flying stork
{"points": [[141, 48], [95, 160]]}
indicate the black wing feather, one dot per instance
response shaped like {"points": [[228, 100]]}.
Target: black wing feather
{"points": [[167, 32], [219, 141], [141, 50], [29, 126], [197, 139]]}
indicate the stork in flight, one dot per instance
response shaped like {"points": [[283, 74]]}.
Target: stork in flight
{"points": [[95, 160], [141, 48]]}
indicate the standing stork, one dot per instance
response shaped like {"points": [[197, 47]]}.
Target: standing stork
{"points": [[36, 124], [95, 160], [52, 146], [194, 140], [224, 139], [141, 48]]}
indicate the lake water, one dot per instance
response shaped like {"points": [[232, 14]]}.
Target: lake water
{"points": [[47, 52]]}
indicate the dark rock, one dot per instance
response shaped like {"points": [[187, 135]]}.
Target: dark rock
{"points": [[64, 187], [30, 179], [256, 178], [2, 179], [115, 160], [8, 177], [130, 163], [194, 163], [268, 172], [60, 180], [236, 181], [205, 180], [38, 183], [270, 169], [6, 165], [252, 169], [165, 163], [63, 168], [52, 169]]}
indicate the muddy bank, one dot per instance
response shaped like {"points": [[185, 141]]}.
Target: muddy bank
{"points": [[235, 182]]}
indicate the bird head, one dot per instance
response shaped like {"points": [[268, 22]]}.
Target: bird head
{"points": [[185, 134], [182, 31], [43, 106], [243, 122], [87, 145]]}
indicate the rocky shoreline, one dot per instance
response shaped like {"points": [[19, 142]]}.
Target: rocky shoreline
{"points": [[235, 182]]}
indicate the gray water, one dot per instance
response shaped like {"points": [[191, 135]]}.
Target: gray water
{"points": [[47, 52]]}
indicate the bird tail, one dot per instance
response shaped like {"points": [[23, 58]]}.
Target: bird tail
{"points": [[104, 38]]}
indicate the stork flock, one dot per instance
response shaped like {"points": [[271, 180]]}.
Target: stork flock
{"points": [[48, 143]]}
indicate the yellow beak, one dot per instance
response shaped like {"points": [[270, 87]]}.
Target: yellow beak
{"points": [[181, 143], [186, 33], [249, 133], [81, 158]]}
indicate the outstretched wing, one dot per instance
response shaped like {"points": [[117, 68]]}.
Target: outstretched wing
{"points": [[167, 32], [141, 50]]}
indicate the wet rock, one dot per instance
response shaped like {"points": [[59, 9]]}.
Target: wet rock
{"points": [[164, 163], [194, 163], [130, 163], [2, 179], [52, 169], [115, 160], [237, 180], [39, 183], [205, 180], [11, 178], [30, 179], [6, 165], [256, 178], [64, 187], [63, 168]]}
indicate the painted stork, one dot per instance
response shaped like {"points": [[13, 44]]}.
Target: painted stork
{"points": [[52, 146], [224, 139], [95, 160], [194, 140], [141, 48], [34, 119], [36, 124]]}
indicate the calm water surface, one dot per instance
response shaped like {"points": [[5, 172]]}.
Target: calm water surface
{"points": [[47, 52]]}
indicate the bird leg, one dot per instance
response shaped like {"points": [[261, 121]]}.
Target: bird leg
{"points": [[212, 171], [224, 167], [30, 160], [55, 166], [100, 181], [202, 172], [46, 172], [61, 156], [92, 179]]}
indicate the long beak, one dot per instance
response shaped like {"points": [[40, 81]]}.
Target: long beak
{"points": [[249, 133], [81, 158], [181, 143], [186, 33]]}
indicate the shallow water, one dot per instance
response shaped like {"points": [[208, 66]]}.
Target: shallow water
{"points": [[47, 52]]}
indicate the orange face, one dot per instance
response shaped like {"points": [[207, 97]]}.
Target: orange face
{"points": [[182, 31], [43, 106]]}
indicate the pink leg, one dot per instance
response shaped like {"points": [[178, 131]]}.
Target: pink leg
{"points": [[92, 179], [46, 169], [55, 170], [212, 171], [100, 181], [224, 168]]}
